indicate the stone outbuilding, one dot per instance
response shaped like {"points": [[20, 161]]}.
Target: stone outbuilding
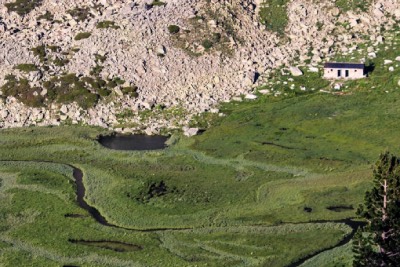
{"points": [[333, 70]]}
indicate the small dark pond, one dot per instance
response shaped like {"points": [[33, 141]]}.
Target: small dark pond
{"points": [[133, 142]]}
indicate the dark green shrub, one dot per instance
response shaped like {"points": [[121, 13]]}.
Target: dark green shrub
{"points": [[46, 16], [130, 90], [26, 67], [173, 29], [118, 80], [96, 70], [153, 190], [95, 84], [40, 51], [207, 44], [23, 7], [69, 88], [82, 35], [21, 90], [100, 58], [112, 84], [54, 48], [104, 92], [107, 24], [157, 3], [60, 62], [216, 37], [80, 14]]}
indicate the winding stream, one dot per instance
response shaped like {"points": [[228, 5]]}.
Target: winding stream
{"points": [[80, 196]]}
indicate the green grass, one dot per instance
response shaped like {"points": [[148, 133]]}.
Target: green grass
{"points": [[255, 246], [36, 230], [341, 256], [273, 14], [355, 5]]}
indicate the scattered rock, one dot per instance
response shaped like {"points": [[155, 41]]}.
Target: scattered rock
{"points": [[239, 99], [161, 50], [295, 71], [250, 97], [196, 84], [190, 131], [337, 86], [265, 91], [335, 11]]}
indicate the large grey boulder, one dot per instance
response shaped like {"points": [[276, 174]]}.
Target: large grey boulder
{"points": [[190, 131], [295, 71]]}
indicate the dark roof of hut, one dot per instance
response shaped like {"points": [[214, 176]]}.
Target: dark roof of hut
{"points": [[344, 65]]}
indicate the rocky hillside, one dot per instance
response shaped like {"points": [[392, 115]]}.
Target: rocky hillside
{"points": [[110, 62]]}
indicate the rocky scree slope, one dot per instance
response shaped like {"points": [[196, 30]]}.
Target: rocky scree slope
{"points": [[109, 62]]}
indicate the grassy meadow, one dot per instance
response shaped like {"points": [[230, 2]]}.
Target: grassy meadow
{"points": [[266, 185]]}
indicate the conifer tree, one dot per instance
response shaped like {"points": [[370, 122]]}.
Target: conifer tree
{"points": [[378, 243]]}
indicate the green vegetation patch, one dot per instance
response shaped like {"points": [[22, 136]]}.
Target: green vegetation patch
{"points": [[26, 67], [82, 35], [173, 29], [46, 16], [157, 3], [255, 246], [23, 91], [37, 217], [153, 190], [107, 24], [210, 30], [40, 52], [60, 62], [207, 44], [80, 13], [43, 177], [355, 5], [130, 90], [273, 14], [23, 7], [69, 88]]}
